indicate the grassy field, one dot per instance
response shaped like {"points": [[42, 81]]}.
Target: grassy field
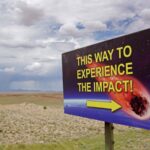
{"points": [[130, 140], [37, 122]]}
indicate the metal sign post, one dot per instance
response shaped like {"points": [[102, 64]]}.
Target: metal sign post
{"points": [[109, 137]]}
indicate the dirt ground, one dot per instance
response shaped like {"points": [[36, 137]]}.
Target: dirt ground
{"points": [[39, 118], [28, 122]]}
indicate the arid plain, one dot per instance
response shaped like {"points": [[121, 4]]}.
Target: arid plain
{"points": [[28, 119]]}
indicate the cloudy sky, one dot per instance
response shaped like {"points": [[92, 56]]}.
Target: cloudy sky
{"points": [[34, 34]]}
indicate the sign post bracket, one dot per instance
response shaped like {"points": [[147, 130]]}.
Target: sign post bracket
{"points": [[109, 136]]}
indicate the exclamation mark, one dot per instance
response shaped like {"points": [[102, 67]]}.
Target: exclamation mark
{"points": [[131, 85]]}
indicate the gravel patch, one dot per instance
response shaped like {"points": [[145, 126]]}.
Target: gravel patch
{"points": [[31, 123]]}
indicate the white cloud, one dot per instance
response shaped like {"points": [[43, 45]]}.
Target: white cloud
{"points": [[29, 14], [142, 21], [95, 26], [8, 70], [69, 29], [11, 70], [33, 66], [34, 33], [145, 14]]}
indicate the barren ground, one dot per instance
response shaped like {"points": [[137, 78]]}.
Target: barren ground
{"points": [[39, 118]]}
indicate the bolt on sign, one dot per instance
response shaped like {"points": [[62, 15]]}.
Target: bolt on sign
{"points": [[110, 81]]}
